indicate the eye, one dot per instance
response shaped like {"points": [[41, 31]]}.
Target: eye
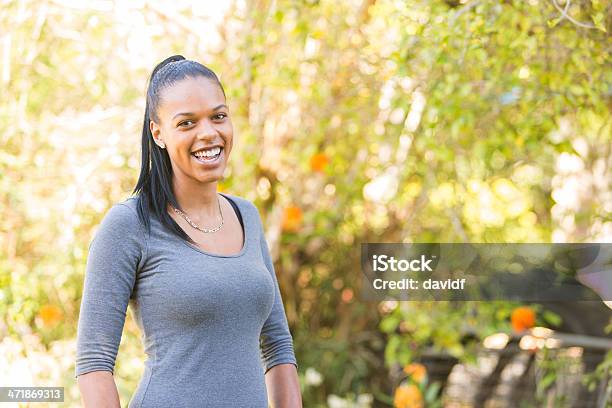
{"points": [[220, 116], [185, 123]]}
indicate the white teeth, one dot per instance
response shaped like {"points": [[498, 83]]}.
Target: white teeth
{"points": [[208, 153]]}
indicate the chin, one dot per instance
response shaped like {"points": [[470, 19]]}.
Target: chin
{"points": [[209, 178]]}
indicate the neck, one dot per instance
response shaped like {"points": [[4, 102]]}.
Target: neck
{"points": [[198, 200]]}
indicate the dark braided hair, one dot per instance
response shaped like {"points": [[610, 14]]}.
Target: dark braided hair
{"points": [[154, 186]]}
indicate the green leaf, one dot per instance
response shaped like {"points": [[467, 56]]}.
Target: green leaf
{"points": [[432, 392], [391, 349], [278, 16], [389, 323], [553, 22], [598, 20], [552, 318], [547, 381]]}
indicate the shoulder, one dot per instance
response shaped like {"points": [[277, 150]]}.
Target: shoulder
{"points": [[131, 203], [247, 209], [244, 204], [123, 216], [119, 237]]}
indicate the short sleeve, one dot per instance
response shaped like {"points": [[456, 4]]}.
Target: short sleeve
{"points": [[276, 342], [115, 255]]}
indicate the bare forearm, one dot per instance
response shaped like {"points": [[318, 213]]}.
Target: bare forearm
{"points": [[98, 390], [283, 387]]}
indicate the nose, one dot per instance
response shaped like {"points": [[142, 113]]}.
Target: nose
{"points": [[208, 130]]}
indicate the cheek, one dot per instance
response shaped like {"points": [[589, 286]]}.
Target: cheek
{"points": [[179, 152], [230, 141]]}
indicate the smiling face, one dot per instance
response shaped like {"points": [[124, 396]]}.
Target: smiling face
{"points": [[194, 124]]}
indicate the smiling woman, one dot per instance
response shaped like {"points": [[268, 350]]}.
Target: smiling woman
{"points": [[206, 299], [199, 123]]}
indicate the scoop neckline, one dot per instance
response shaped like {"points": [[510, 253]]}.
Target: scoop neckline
{"points": [[244, 231]]}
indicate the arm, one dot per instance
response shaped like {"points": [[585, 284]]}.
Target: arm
{"points": [[283, 386], [115, 254], [98, 389], [277, 348]]}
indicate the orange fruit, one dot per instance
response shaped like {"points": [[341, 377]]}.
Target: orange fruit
{"points": [[522, 318], [50, 315], [292, 218], [408, 396], [318, 162], [416, 371], [347, 295]]}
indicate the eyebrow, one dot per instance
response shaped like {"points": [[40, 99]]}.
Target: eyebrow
{"points": [[192, 114]]}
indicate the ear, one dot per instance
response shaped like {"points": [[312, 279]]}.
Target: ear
{"points": [[156, 133]]}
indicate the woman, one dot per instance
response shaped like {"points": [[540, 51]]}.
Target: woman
{"points": [[193, 263]]}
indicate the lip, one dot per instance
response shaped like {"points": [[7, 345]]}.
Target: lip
{"points": [[212, 163]]}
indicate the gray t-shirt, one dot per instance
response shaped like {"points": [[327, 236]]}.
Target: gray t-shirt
{"points": [[211, 325]]}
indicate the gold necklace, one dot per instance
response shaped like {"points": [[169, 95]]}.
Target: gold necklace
{"points": [[207, 230]]}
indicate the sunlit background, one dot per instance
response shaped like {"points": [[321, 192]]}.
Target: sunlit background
{"points": [[356, 121]]}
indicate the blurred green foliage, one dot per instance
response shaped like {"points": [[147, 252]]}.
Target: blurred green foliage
{"points": [[372, 121]]}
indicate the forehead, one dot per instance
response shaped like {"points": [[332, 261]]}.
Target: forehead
{"points": [[190, 95]]}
